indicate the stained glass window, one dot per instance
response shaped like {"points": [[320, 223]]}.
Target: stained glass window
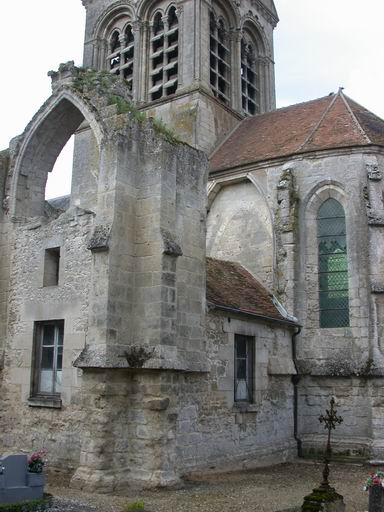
{"points": [[333, 265]]}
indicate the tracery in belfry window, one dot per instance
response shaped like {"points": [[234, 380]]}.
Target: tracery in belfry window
{"points": [[333, 265], [164, 67], [220, 56], [121, 53], [250, 83]]}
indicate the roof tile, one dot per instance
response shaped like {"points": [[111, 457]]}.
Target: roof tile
{"points": [[333, 121], [230, 285]]}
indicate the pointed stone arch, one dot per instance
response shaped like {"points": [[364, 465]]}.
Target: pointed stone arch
{"points": [[41, 144], [255, 246]]}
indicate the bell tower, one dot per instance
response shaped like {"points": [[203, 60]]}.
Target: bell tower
{"points": [[201, 66]]}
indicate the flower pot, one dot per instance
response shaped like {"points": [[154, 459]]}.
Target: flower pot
{"points": [[36, 479], [376, 498]]}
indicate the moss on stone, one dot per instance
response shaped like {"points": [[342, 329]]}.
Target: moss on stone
{"points": [[28, 506], [162, 129], [133, 507], [314, 501]]}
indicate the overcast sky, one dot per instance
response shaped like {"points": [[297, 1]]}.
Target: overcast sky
{"points": [[319, 46]]}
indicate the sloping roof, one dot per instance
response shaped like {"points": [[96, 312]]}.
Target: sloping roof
{"points": [[334, 121], [231, 287]]}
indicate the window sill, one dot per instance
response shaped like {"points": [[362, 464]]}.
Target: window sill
{"points": [[245, 407], [42, 401]]}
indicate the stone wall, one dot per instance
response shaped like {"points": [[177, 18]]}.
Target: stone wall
{"points": [[239, 228], [212, 431], [347, 361], [151, 428], [4, 254], [192, 112], [24, 426]]}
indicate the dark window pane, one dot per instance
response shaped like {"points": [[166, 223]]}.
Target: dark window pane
{"points": [[329, 227], [330, 208], [47, 358], [241, 347], [334, 318], [241, 369], [59, 364], [48, 334]]}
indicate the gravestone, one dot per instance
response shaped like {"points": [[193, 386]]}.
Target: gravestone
{"points": [[376, 499], [16, 483]]}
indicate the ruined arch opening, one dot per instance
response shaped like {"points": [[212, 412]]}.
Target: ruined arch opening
{"points": [[39, 153]]}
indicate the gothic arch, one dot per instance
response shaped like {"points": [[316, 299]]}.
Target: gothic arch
{"points": [[251, 27], [308, 264], [41, 144], [117, 10], [229, 11], [320, 193], [250, 217]]}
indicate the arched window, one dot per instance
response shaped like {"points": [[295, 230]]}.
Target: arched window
{"points": [[250, 80], [121, 53], [220, 58], [333, 265], [164, 49]]}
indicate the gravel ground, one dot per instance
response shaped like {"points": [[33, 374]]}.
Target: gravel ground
{"points": [[270, 489]]}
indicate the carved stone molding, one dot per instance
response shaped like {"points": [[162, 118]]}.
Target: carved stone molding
{"points": [[373, 172]]}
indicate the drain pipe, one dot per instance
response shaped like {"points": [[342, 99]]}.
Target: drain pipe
{"points": [[295, 382]]}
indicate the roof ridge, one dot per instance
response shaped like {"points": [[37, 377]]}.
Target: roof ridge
{"points": [[362, 106], [317, 126], [360, 128], [289, 106], [258, 116]]}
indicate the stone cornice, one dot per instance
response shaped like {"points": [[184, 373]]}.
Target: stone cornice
{"points": [[320, 153], [266, 13]]}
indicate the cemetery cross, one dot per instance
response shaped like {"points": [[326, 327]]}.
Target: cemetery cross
{"points": [[330, 421]]}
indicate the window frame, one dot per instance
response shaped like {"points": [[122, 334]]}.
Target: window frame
{"points": [[249, 63], [224, 96], [52, 260], [124, 52], [326, 319], [169, 37], [250, 368], [36, 394]]}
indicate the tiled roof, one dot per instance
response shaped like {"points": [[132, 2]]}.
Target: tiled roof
{"points": [[334, 121], [231, 287]]}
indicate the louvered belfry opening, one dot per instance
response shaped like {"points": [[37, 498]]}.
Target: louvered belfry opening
{"points": [[122, 51], [220, 55], [250, 82], [333, 265], [164, 57]]}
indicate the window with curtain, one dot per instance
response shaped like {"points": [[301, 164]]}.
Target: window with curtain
{"points": [[333, 265], [244, 370], [48, 360]]}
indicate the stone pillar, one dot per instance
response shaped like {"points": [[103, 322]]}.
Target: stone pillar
{"points": [[147, 306], [374, 168], [4, 253], [285, 222]]}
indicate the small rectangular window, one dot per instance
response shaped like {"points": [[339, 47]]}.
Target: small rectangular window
{"points": [[244, 367], [48, 358], [51, 267]]}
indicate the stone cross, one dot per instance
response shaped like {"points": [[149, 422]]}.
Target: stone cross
{"points": [[330, 421]]}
